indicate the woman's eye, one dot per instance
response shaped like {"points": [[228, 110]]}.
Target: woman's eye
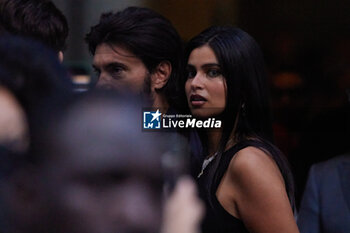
{"points": [[213, 73], [191, 74]]}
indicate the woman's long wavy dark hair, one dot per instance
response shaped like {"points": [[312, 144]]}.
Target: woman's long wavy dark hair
{"points": [[247, 110]]}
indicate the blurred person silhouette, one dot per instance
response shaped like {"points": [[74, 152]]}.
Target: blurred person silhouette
{"points": [[34, 74], [245, 180], [81, 174], [36, 19], [325, 206], [137, 49], [31, 77], [91, 169]]}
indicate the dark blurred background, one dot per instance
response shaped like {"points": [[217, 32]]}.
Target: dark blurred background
{"points": [[307, 52]]}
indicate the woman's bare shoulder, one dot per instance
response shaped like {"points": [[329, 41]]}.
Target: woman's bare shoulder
{"points": [[252, 165], [259, 192]]}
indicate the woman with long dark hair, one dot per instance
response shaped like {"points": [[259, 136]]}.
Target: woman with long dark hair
{"points": [[245, 180]]}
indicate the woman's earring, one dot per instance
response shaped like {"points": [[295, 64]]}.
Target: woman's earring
{"points": [[243, 109]]}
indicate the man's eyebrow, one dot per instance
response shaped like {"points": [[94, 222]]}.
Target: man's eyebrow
{"points": [[116, 64], [110, 65]]}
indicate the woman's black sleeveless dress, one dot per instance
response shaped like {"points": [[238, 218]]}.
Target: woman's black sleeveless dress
{"points": [[217, 219]]}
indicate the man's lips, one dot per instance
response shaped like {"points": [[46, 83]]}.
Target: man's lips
{"points": [[197, 100]]}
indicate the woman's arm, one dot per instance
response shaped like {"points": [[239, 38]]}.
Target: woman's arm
{"points": [[253, 190]]}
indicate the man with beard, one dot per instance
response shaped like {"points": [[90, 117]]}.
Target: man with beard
{"points": [[137, 49]]}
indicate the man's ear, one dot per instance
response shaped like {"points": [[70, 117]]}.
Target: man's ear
{"points": [[160, 75], [60, 56]]}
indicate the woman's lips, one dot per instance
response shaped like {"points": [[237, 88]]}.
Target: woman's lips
{"points": [[197, 100]]}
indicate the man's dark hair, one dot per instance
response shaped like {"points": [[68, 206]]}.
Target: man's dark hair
{"points": [[145, 33], [38, 19]]}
